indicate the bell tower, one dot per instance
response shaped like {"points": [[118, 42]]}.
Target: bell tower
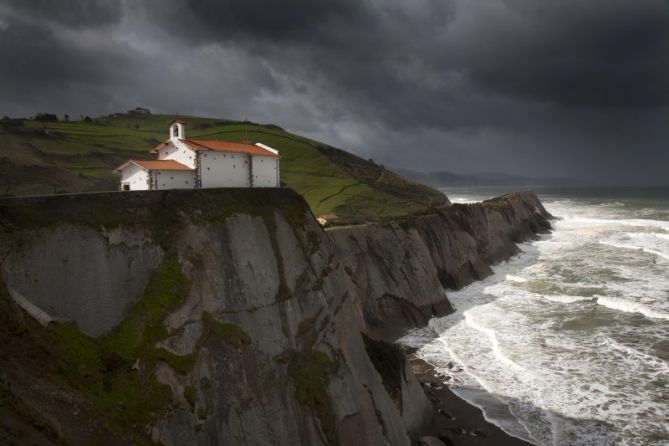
{"points": [[177, 130]]}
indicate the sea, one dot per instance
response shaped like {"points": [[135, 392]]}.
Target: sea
{"points": [[567, 344]]}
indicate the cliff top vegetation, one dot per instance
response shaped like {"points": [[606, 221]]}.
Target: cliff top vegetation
{"points": [[40, 156]]}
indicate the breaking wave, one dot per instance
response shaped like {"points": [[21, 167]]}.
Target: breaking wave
{"points": [[570, 337], [616, 303]]}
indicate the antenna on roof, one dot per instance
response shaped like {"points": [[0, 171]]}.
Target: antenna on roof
{"points": [[246, 136]]}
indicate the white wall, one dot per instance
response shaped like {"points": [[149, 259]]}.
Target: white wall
{"points": [[265, 171], [174, 179], [221, 169], [134, 176], [178, 152]]}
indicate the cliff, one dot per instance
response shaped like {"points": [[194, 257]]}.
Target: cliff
{"points": [[226, 316], [401, 269]]}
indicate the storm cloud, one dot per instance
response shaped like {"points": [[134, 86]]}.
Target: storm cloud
{"points": [[576, 88]]}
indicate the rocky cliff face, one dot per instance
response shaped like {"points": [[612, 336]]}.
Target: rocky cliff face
{"points": [[229, 316], [400, 270]]}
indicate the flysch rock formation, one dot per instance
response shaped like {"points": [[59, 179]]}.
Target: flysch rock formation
{"points": [[281, 334], [401, 270]]}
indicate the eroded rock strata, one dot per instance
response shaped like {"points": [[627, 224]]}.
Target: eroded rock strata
{"points": [[229, 316], [400, 270]]}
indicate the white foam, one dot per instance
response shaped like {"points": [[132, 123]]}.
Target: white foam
{"points": [[652, 243], [636, 222], [647, 250], [592, 379], [472, 321], [494, 411], [636, 355], [570, 375], [565, 299], [628, 306], [463, 200]]}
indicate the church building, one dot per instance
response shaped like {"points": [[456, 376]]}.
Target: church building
{"points": [[198, 164]]}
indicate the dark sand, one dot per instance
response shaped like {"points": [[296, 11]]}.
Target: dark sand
{"points": [[456, 422]]}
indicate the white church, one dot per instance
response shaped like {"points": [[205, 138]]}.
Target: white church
{"points": [[198, 164]]}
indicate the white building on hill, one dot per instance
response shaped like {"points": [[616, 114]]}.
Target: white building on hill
{"points": [[193, 164]]}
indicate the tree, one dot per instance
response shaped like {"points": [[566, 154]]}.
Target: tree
{"points": [[46, 117]]}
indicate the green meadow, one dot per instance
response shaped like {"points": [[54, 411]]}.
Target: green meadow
{"points": [[38, 157]]}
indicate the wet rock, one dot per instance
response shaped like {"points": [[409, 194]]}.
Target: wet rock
{"points": [[456, 430], [478, 433], [430, 441], [446, 439], [445, 414]]}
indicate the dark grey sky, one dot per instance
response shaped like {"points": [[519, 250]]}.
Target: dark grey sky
{"points": [[576, 88]]}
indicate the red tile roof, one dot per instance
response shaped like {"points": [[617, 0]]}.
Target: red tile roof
{"points": [[226, 146], [158, 165]]}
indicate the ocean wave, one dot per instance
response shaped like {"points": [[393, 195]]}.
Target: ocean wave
{"points": [[651, 243], [637, 248], [627, 306], [635, 222], [564, 398], [508, 339], [638, 355], [471, 321], [565, 299]]}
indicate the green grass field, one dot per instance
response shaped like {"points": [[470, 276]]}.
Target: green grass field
{"points": [[46, 157]]}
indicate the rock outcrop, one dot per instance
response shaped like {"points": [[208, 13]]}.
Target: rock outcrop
{"points": [[231, 317], [82, 274]]}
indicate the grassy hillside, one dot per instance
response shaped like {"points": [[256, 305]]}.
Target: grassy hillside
{"points": [[45, 157]]}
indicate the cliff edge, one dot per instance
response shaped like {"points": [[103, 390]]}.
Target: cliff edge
{"points": [[226, 316]]}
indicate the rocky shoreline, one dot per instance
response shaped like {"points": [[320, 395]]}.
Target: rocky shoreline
{"points": [[455, 422]]}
